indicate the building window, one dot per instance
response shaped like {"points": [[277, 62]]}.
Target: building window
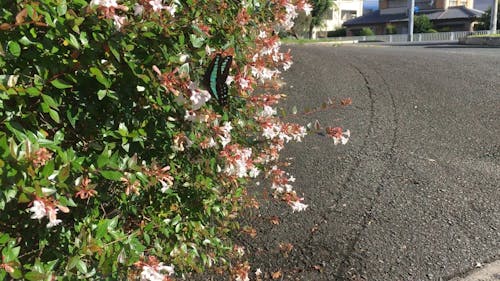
{"points": [[453, 3], [347, 15], [397, 3]]}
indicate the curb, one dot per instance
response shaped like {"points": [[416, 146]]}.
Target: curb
{"points": [[483, 41], [489, 272]]}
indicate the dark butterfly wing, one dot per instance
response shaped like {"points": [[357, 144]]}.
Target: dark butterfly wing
{"points": [[211, 76], [221, 86], [215, 78]]}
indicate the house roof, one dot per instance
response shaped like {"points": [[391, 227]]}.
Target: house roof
{"points": [[451, 13]]}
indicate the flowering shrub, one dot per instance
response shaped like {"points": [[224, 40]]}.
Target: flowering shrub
{"points": [[116, 161]]}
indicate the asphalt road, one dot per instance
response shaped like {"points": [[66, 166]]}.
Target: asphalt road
{"points": [[415, 194]]}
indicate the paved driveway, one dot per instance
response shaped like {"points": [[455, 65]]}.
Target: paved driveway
{"points": [[415, 194]]}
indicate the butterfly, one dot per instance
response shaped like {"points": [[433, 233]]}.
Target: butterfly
{"points": [[215, 78]]}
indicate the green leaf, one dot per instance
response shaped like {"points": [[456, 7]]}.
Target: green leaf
{"points": [[96, 72], [50, 101], [17, 274], [184, 69], [34, 276], [84, 39], [115, 53], [81, 266], [54, 115], [14, 48], [112, 175], [73, 261], [102, 229], [32, 91], [102, 160], [63, 173], [101, 94], [73, 41], [25, 41], [196, 41], [62, 8], [4, 238], [122, 130], [10, 254], [60, 84]]}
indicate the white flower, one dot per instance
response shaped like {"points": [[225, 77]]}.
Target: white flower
{"points": [[157, 5], [104, 3], [157, 273], [263, 73], [138, 9], [52, 214], [242, 278], [150, 274], [272, 131], [171, 9], [258, 272], [183, 58], [343, 139], [164, 186], [244, 83], [307, 9], [268, 111], [198, 97], [298, 206], [190, 115], [119, 21], [225, 140], [287, 65], [209, 50], [254, 172], [227, 127], [168, 269], [38, 210]]}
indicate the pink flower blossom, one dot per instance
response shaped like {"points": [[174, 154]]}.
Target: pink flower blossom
{"points": [[104, 3], [307, 8], [156, 272], [38, 210], [119, 21], [239, 161], [157, 5], [46, 208], [338, 135], [198, 96], [171, 9], [267, 112], [264, 73], [297, 206]]}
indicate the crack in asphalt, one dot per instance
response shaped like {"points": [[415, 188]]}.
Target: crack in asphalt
{"points": [[345, 270]]}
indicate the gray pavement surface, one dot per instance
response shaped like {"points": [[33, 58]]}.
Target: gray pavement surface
{"points": [[489, 272], [415, 194]]}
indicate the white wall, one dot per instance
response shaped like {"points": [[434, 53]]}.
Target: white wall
{"points": [[336, 20]]}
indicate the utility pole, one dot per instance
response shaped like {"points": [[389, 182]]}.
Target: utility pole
{"points": [[410, 20], [494, 14]]}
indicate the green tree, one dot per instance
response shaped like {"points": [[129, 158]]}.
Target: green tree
{"points": [[422, 24], [485, 19], [390, 29], [366, 31], [301, 26], [320, 8]]}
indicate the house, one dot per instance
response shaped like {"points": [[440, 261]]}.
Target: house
{"points": [[445, 15], [341, 11]]}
